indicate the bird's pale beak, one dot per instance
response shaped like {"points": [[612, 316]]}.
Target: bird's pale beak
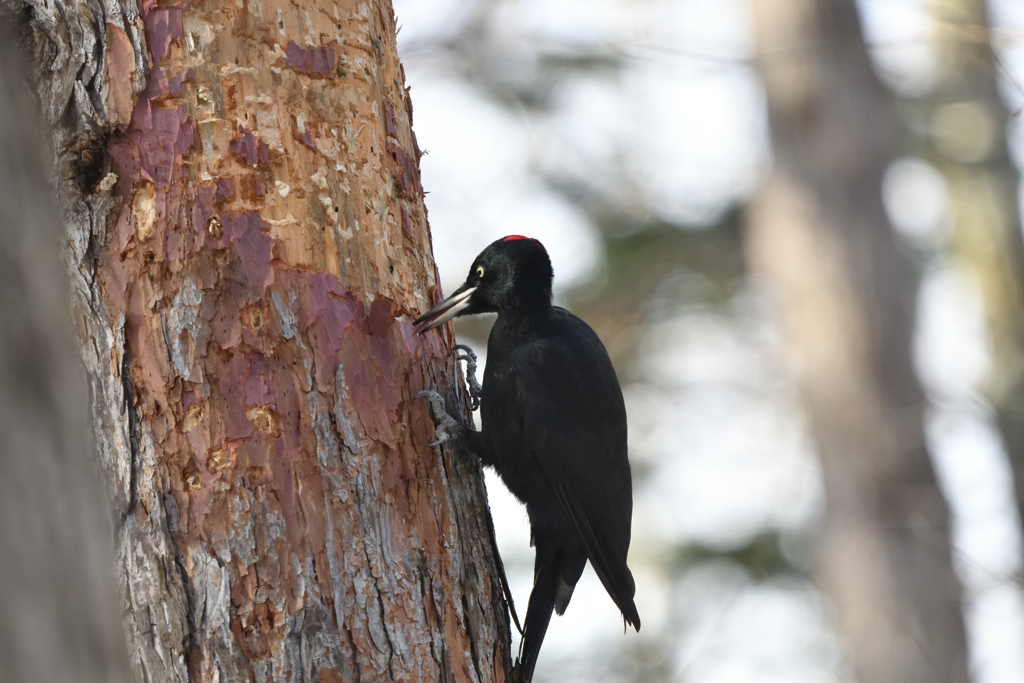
{"points": [[446, 310]]}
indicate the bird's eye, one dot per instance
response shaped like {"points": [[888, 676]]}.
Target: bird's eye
{"points": [[479, 271]]}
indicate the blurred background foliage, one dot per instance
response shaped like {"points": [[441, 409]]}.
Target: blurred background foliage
{"points": [[631, 137]]}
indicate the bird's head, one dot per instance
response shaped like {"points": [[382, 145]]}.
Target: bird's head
{"points": [[512, 275]]}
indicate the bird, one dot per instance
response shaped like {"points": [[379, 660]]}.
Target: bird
{"points": [[553, 427]]}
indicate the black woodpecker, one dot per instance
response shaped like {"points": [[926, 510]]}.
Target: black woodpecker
{"points": [[553, 428]]}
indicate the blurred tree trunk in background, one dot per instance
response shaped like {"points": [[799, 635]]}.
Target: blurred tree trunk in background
{"points": [[59, 616], [247, 242], [820, 234], [967, 126]]}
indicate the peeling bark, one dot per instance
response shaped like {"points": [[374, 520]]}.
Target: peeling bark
{"points": [[247, 243]]}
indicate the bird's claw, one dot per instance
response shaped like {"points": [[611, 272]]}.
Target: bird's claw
{"points": [[444, 424], [474, 386]]}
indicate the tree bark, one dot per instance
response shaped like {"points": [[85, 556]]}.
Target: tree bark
{"points": [[820, 234], [247, 243], [58, 607]]}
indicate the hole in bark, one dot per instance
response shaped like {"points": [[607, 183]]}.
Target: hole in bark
{"points": [[88, 163], [23, 20]]}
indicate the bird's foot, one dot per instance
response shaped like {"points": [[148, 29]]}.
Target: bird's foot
{"points": [[445, 426], [475, 389]]}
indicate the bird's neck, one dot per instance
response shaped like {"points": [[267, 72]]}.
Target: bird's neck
{"points": [[526, 316]]}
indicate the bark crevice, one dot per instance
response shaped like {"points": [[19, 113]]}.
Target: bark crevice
{"points": [[132, 419]]}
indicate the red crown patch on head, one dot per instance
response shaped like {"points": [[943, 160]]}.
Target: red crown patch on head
{"points": [[513, 238]]}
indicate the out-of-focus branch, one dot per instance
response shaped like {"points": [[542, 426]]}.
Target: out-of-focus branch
{"points": [[58, 609], [820, 234]]}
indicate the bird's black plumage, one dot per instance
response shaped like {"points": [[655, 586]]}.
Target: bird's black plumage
{"points": [[553, 427]]}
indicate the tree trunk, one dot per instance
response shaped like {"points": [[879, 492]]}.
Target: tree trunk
{"points": [[820, 235], [247, 243], [968, 144], [58, 608]]}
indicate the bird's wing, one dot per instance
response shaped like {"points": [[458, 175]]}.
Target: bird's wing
{"points": [[574, 423]]}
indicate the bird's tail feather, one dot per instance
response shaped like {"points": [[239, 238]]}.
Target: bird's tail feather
{"points": [[621, 588], [538, 615], [614, 574]]}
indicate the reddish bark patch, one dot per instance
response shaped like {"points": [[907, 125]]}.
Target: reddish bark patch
{"points": [[333, 307], [381, 318], [225, 189], [258, 387], [203, 196], [369, 389], [406, 222], [124, 160], [249, 187], [162, 135], [232, 376], [408, 173], [174, 84], [318, 61], [250, 148], [245, 234], [162, 26], [330, 676], [375, 380]]}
